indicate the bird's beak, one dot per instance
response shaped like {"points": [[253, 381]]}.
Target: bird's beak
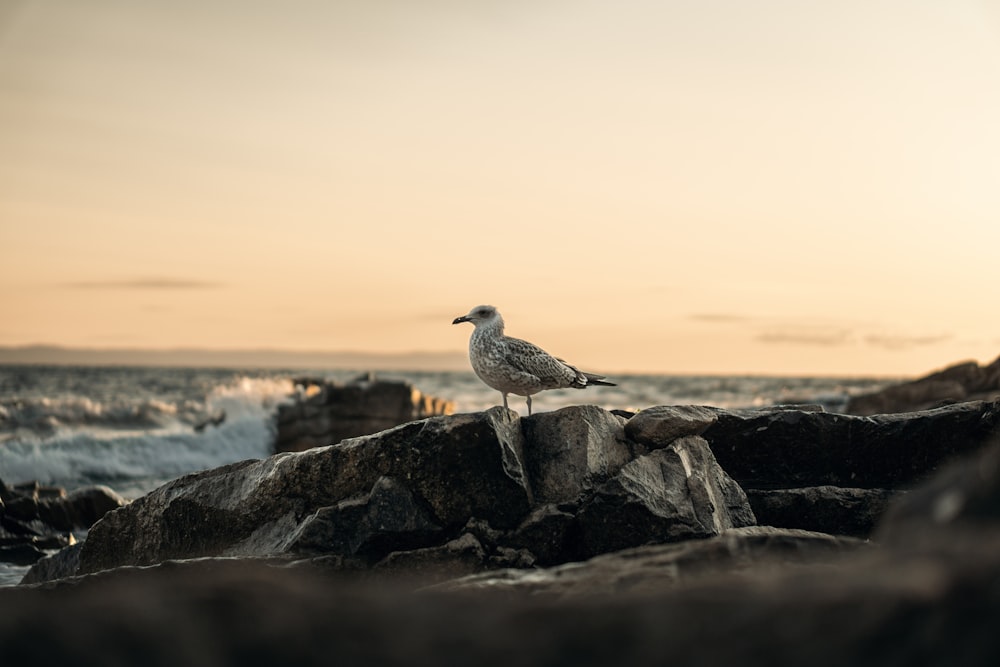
{"points": [[459, 320]]}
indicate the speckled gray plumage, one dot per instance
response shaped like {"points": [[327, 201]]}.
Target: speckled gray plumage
{"points": [[515, 366]]}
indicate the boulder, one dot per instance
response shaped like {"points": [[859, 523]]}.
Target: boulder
{"points": [[768, 449], [570, 448], [659, 426], [388, 519], [63, 563], [35, 518], [654, 569], [671, 494], [961, 382], [540, 489], [455, 468], [79, 509], [828, 509], [324, 413]]}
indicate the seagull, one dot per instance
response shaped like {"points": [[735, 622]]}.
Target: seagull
{"points": [[515, 366]]}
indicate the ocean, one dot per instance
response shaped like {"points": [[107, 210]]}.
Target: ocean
{"points": [[134, 428]]}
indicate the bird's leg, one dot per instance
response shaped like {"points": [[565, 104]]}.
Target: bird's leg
{"points": [[504, 394], [529, 404]]}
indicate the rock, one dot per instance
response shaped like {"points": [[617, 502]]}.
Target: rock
{"points": [[37, 518], [826, 509], [770, 449], [671, 494], [962, 382], [63, 563], [965, 496], [659, 568], [659, 426], [459, 557], [79, 509], [549, 533], [566, 450], [328, 412], [387, 519], [455, 467], [868, 608]]}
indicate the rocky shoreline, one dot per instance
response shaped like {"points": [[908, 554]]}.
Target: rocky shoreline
{"points": [[776, 536]]}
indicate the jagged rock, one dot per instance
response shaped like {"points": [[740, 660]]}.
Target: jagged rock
{"points": [[79, 509], [456, 467], [387, 519], [827, 509], [962, 382], [549, 533], [654, 569], [459, 557], [328, 412], [658, 426], [791, 448], [38, 518], [569, 448], [61, 564], [671, 494]]}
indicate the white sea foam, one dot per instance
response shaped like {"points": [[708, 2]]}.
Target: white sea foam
{"points": [[134, 460]]}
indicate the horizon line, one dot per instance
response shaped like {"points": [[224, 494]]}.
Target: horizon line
{"points": [[39, 354]]}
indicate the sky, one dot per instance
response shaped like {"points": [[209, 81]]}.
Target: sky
{"points": [[660, 186]]}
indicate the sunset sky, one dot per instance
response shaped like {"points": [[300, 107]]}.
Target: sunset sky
{"points": [[710, 186]]}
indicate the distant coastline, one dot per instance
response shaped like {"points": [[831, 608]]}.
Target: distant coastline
{"points": [[207, 358]]}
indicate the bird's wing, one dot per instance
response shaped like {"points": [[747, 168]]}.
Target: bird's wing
{"points": [[529, 358]]}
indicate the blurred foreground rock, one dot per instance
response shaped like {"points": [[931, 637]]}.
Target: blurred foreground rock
{"points": [[967, 381], [327, 412]]}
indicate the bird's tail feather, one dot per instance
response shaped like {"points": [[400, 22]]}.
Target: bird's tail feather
{"points": [[598, 379]]}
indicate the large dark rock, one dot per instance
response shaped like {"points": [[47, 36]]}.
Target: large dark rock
{"points": [[456, 467], [791, 448], [327, 412], [569, 449], [79, 509], [63, 563], [389, 518], [829, 509], [671, 494], [543, 489], [655, 569], [967, 381], [35, 518]]}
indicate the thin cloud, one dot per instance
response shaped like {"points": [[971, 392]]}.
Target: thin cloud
{"points": [[719, 318], [901, 342], [144, 284], [821, 338]]}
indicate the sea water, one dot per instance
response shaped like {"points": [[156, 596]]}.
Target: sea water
{"points": [[134, 428]]}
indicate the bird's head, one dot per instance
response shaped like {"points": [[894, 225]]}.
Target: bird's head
{"points": [[480, 315]]}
